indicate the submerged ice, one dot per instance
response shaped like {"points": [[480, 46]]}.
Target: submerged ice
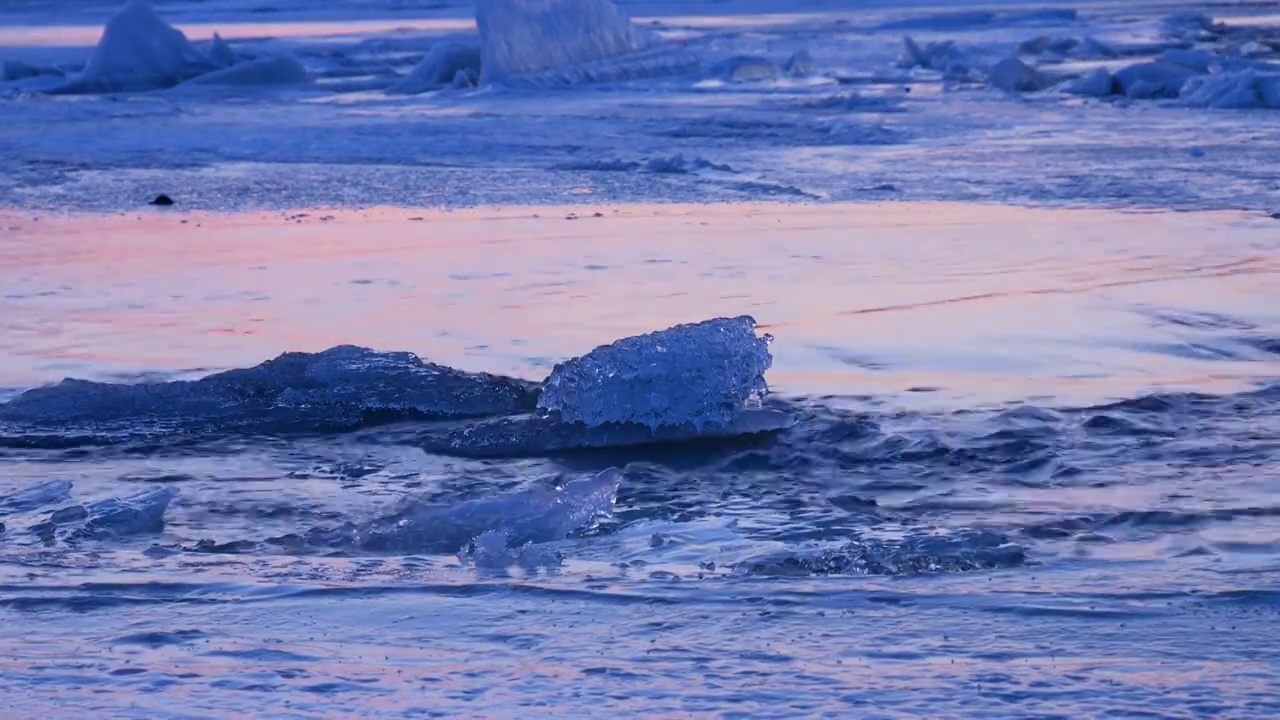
{"points": [[537, 515], [701, 374]]}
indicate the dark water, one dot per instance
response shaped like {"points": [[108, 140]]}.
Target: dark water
{"points": [[1082, 519]]}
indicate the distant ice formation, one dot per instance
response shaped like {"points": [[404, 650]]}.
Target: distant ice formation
{"points": [[274, 70], [697, 374], [1013, 76], [567, 42], [221, 53], [138, 52], [440, 68]]}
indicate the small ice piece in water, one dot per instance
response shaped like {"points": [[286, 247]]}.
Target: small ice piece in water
{"points": [[537, 515], [36, 495], [567, 42], [439, 68], [221, 53], [746, 68], [134, 515], [695, 374], [1013, 76], [1095, 83], [138, 52], [275, 70]]}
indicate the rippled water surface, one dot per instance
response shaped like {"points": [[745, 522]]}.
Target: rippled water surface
{"points": [[1034, 470]]}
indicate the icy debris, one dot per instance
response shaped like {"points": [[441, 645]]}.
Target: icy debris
{"points": [[746, 68], [1095, 83], [138, 52], [677, 165], [35, 496], [339, 389], [439, 68], [1086, 48], [1152, 80], [1013, 76], [537, 515], [275, 70], [111, 518], [567, 42], [1233, 91], [221, 53], [967, 550], [701, 374], [800, 64], [942, 57]]}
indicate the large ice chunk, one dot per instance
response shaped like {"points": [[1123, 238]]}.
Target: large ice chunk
{"points": [[1233, 91], [138, 52], [339, 389], [697, 374], [566, 42]]}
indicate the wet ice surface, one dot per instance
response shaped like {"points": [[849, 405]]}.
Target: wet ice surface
{"points": [[350, 136], [1035, 475], [1016, 462]]}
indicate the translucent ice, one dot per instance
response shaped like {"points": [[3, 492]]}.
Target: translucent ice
{"points": [[134, 515], [537, 515], [35, 495], [138, 52], [566, 42], [698, 374]]}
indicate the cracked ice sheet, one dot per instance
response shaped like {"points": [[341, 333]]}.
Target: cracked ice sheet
{"points": [[785, 139]]}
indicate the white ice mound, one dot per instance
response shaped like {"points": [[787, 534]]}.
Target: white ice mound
{"points": [[138, 52], [701, 374], [568, 42], [439, 68], [1233, 91], [275, 70]]}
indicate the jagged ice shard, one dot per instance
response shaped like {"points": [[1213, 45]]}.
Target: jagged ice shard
{"points": [[701, 374], [568, 42]]}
